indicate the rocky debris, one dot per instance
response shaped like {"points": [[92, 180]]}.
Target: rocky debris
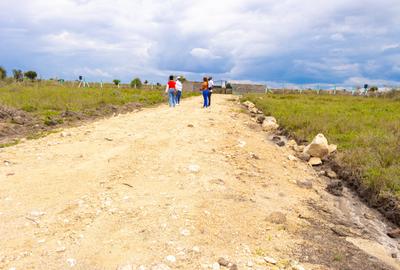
{"points": [[19, 120], [194, 168], [307, 184], [61, 249], [331, 174], [260, 118], [223, 262], [196, 249], [299, 148], [216, 266], [171, 259], [108, 139], [233, 267], [270, 260], [276, 218], [252, 155], [292, 158], [280, 144], [315, 161], [269, 124], [335, 188], [394, 255], [319, 147], [341, 231], [65, 134], [303, 156], [241, 143], [71, 262], [394, 233], [190, 125], [291, 144], [185, 232], [332, 148], [249, 104]]}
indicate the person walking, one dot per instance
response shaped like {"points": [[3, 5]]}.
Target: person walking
{"points": [[204, 89], [171, 90], [179, 88], [210, 90]]}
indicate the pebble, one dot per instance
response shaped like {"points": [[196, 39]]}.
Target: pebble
{"points": [[241, 143], [60, 249], [185, 232], [305, 183], [270, 260], [171, 259], [71, 262], [196, 249], [216, 266], [292, 158], [194, 168], [223, 262]]}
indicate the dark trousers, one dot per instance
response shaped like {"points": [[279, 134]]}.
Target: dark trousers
{"points": [[209, 98]]}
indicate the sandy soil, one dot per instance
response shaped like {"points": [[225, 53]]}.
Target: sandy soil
{"points": [[177, 189]]}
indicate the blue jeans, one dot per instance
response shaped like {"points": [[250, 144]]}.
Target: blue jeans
{"points": [[178, 97], [171, 95], [205, 96]]}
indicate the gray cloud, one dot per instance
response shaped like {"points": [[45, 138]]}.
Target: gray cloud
{"points": [[261, 40]]}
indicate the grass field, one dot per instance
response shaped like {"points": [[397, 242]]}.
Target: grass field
{"points": [[367, 131], [47, 101]]}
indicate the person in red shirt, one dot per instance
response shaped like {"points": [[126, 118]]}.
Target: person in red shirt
{"points": [[171, 90]]}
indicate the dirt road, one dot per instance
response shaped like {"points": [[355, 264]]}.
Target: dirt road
{"points": [[177, 189]]}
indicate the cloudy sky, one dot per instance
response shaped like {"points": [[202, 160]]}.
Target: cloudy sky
{"points": [[287, 41]]}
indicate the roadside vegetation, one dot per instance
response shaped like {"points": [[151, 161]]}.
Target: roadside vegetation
{"points": [[366, 129], [28, 108]]}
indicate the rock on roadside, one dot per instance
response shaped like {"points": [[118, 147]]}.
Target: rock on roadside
{"points": [[318, 147], [270, 124]]}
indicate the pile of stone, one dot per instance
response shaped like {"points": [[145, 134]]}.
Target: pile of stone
{"points": [[314, 153], [269, 123]]}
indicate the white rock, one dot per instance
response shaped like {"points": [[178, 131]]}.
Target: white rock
{"points": [[12, 268], [60, 249], [270, 124], [250, 264], [332, 148], [318, 147], [196, 249], [37, 213], [142, 267], [171, 259], [292, 158], [185, 232], [315, 161], [71, 262], [216, 266], [194, 168], [249, 104], [270, 260], [241, 143]]}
